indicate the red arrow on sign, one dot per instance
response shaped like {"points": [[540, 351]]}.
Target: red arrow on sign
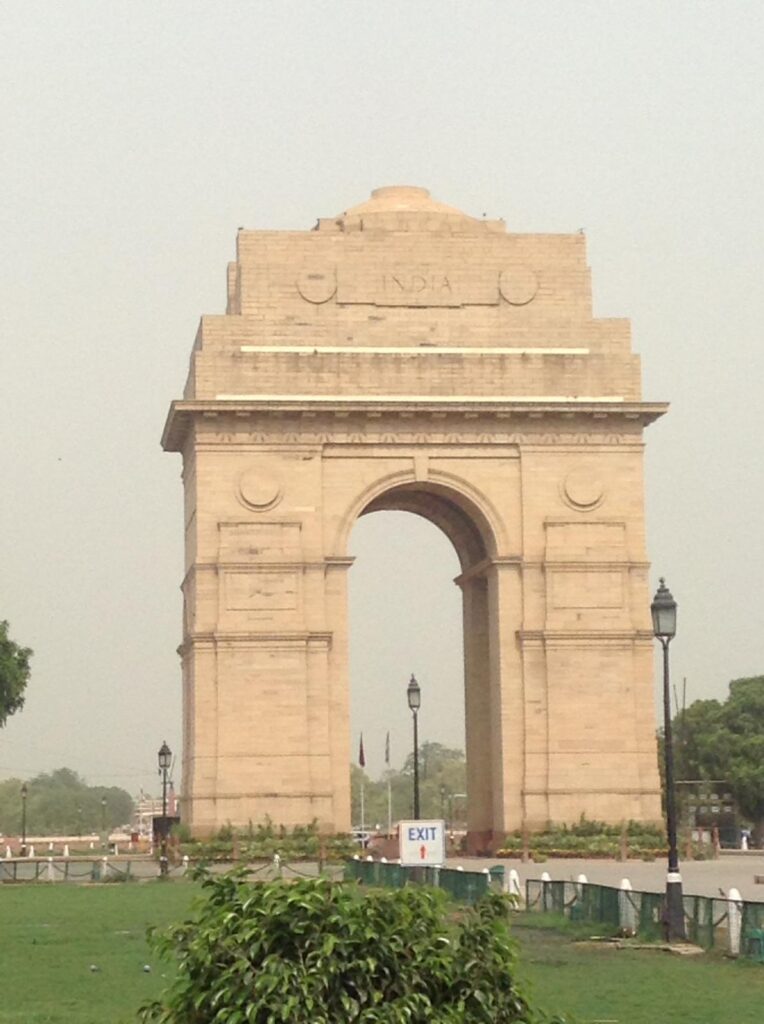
{"points": [[422, 852]]}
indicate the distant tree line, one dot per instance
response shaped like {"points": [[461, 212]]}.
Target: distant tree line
{"points": [[62, 803], [442, 788], [723, 741]]}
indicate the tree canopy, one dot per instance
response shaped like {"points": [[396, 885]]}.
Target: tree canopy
{"points": [[724, 741], [14, 674]]}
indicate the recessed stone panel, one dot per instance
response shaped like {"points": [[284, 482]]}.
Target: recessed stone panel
{"points": [[260, 591]]}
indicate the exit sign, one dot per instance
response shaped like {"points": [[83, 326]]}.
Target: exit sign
{"points": [[422, 843]]}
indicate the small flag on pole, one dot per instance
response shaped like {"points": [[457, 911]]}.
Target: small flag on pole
{"points": [[361, 755], [387, 749]]}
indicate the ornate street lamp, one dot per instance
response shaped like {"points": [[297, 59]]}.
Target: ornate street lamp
{"points": [[165, 759], [663, 611], [414, 695], [23, 819]]}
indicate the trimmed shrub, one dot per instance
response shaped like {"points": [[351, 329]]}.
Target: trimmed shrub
{"points": [[314, 952]]}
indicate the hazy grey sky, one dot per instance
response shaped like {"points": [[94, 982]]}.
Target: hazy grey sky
{"points": [[134, 140]]}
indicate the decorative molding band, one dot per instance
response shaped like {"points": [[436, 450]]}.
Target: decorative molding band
{"points": [[255, 639], [409, 350], [422, 399], [611, 790]]}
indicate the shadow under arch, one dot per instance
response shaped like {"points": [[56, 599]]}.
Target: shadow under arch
{"points": [[474, 540]]}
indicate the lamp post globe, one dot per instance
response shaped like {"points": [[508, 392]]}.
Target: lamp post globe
{"points": [[663, 610], [414, 698]]}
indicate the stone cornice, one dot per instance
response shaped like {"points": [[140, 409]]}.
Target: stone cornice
{"points": [[182, 413]]}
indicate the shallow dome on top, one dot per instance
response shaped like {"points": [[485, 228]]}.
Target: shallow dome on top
{"points": [[402, 199]]}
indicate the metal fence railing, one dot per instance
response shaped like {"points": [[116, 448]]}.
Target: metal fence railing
{"points": [[80, 869], [732, 925], [464, 886]]}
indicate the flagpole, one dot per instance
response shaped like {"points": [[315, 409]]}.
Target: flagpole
{"points": [[389, 788]]}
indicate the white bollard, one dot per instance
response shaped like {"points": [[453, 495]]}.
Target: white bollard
{"points": [[66, 849], [513, 884], [7, 853], [734, 920], [744, 842], [116, 849], [383, 860], [580, 882], [51, 875], [31, 851], [370, 859], [356, 857], [459, 867], [92, 847], [185, 863], [627, 911], [50, 847], [545, 876]]}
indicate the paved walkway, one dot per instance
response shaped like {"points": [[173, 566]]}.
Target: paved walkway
{"points": [[699, 877]]}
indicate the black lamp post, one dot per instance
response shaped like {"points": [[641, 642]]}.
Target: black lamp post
{"points": [[23, 819], [165, 758], [105, 837], [663, 611], [414, 695]]}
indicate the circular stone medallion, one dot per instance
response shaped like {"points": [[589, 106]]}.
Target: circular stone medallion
{"points": [[259, 490], [316, 285], [582, 489], [518, 285]]}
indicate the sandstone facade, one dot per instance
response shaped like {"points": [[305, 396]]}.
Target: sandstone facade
{"points": [[404, 355]]}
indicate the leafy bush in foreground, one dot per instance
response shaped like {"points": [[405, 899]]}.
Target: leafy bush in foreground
{"points": [[314, 952]]}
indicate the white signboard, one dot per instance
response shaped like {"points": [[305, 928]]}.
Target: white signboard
{"points": [[422, 843]]}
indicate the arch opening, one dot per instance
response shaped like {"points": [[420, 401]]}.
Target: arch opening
{"points": [[471, 540]]}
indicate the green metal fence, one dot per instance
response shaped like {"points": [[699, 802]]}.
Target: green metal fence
{"points": [[730, 925], [464, 886]]}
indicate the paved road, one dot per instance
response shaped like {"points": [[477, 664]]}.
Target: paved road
{"points": [[699, 877]]}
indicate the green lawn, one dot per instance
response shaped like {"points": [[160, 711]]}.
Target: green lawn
{"points": [[601, 983], [53, 933]]}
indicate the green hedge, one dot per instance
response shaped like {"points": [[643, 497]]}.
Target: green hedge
{"points": [[262, 842], [589, 839]]}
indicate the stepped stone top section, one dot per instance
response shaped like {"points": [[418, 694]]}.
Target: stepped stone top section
{"points": [[405, 299]]}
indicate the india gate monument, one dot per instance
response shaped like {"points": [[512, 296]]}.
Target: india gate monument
{"points": [[405, 355]]}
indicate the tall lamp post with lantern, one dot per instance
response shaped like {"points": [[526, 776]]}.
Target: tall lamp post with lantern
{"points": [[165, 758], [663, 610], [23, 819], [414, 696]]}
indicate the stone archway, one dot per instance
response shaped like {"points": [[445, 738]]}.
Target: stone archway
{"points": [[405, 355]]}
